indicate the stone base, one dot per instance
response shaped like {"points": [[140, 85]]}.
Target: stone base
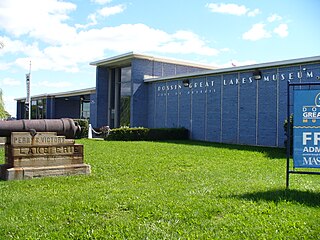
{"points": [[20, 173]]}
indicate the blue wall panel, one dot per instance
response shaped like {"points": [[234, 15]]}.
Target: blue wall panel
{"points": [[160, 106], [198, 108], [169, 69], [93, 109], [67, 108], [157, 69], [285, 74], [102, 79], [182, 69], [172, 110], [230, 109], [151, 104], [247, 109], [267, 108], [185, 107], [213, 91], [139, 107]]}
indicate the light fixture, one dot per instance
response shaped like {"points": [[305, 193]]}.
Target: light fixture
{"points": [[185, 82], [257, 74]]}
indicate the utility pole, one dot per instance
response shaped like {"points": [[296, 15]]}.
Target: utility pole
{"points": [[28, 83]]}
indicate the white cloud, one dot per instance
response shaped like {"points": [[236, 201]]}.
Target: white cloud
{"points": [[16, 46], [54, 45], [101, 1], [229, 8], [274, 17], [48, 84], [41, 19], [103, 12], [108, 11], [257, 32], [233, 9], [281, 30], [91, 44], [92, 21], [10, 82], [254, 12], [5, 66]]}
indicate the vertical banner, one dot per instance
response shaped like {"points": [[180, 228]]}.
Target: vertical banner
{"points": [[306, 129], [28, 87]]}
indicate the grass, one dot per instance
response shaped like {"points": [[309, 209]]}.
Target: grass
{"points": [[165, 190]]}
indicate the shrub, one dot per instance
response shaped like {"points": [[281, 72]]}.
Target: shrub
{"points": [[168, 134], [84, 124], [285, 126], [128, 134], [146, 134]]}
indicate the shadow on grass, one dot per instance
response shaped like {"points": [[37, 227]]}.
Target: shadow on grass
{"points": [[270, 152], [307, 198]]}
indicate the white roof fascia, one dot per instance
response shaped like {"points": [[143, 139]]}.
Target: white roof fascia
{"points": [[62, 94], [127, 57]]}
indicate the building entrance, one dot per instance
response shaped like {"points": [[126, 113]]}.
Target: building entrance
{"points": [[119, 97]]}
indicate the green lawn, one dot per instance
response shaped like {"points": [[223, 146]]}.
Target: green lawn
{"points": [[159, 190]]}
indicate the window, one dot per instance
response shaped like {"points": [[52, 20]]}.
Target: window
{"points": [[38, 109], [125, 96], [85, 109]]}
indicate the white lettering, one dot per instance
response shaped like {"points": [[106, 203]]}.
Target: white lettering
{"points": [[311, 149], [306, 137], [311, 114], [311, 160], [290, 76], [316, 138], [274, 77], [237, 81], [299, 74], [309, 74]]}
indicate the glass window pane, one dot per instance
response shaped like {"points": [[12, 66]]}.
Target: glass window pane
{"points": [[125, 111]]}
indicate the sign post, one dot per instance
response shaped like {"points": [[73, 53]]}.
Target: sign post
{"points": [[28, 98]]}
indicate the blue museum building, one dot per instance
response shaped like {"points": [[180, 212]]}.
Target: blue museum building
{"points": [[241, 105]]}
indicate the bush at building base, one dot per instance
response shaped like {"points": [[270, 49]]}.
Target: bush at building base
{"points": [[147, 134]]}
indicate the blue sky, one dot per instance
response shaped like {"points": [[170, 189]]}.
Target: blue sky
{"points": [[61, 38]]}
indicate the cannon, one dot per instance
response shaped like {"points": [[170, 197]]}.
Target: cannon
{"points": [[63, 127]]}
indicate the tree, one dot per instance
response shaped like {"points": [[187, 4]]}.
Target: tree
{"points": [[3, 113]]}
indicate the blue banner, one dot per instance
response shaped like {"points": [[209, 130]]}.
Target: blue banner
{"points": [[306, 129]]}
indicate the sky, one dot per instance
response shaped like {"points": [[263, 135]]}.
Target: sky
{"points": [[57, 39]]}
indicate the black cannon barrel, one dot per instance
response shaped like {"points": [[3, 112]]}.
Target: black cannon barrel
{"points": [[63, 127]]}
